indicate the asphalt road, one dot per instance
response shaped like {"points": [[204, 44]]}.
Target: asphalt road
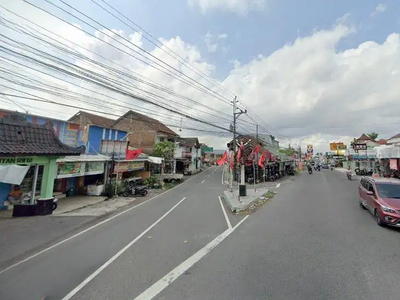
{"points": [[312, 241]]}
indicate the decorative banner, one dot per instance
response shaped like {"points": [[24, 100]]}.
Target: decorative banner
{"points": [[94, 168], [393, 164], [310, 149], [70, 169]]}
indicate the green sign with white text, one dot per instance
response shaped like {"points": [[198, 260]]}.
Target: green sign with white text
{"points": [[24, 160]]}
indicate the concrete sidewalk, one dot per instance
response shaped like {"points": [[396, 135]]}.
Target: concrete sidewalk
{"points": [[236, 204]]}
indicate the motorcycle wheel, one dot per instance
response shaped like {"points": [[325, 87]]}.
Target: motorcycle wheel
{"points": [[144, 192], [55, 205], [125, 194]]}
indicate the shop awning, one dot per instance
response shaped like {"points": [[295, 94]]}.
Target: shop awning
{"points": [[84, 158], [13, 174], [155, 160]]}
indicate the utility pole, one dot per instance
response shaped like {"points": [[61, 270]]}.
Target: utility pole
{"points": [[235, 116], [256, 163], [233, 172]]}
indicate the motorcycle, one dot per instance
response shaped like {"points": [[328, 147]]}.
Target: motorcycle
{"points": [[310, 171], [348, 175], [135, 191], [319, 168]]}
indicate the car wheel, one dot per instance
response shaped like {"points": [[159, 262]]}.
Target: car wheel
{"points": [[361, 204], [378, 218]]}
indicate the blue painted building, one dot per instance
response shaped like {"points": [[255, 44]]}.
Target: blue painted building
{"points": [[68, 132], [95, 134]]}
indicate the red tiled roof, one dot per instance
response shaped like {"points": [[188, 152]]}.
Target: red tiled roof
{"points": [[96, 119], [18, 137], [155, 124], [382, 142]]}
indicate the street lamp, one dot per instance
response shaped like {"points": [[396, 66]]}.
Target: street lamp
{"points": [[304, 138]]}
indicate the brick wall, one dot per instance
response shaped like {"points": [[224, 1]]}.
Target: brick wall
{"points": [[141, 134]]}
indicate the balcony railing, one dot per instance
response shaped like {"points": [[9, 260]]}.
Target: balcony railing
{"points": [[186, 154]]}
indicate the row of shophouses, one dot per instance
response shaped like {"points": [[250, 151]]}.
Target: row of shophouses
{"points": [[373, 156], [95, 143]]}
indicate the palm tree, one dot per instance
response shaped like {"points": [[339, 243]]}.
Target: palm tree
{"points": [[373, 135]]}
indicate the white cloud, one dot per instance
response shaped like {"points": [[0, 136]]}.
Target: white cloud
{"points": [[211, 47], [380, 8], [222, 36], [213, 42], [239, 7], [305, 89]]}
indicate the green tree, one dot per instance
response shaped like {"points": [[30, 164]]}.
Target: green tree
{"points": [[165, 150], [287, 151], [373, 135]]}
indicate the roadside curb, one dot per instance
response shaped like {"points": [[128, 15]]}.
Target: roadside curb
{"points": [[231, 199]]}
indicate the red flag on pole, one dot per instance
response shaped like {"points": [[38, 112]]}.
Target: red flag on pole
{"points": [[132, 154], [239, 155], [223, 159], [256, 149], [261, 161]]}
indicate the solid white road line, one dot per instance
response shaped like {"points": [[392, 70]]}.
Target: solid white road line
{"points": [[225, 214], [278, 185], [164, 282], [92, 227], [119, 253], [202, 181]]}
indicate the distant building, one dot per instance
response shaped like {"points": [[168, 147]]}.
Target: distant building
{"points": [[187, 155], [143, 131], [95, 129]]}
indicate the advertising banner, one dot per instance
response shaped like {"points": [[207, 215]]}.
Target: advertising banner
{"points": [[70, 169], [310, 149], [128, 166], [393, 164], [94, 167]]}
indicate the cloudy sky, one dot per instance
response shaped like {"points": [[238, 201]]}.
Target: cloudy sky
{"points": [[315, 71]]}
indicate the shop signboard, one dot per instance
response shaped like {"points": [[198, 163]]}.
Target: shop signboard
{"points": [[393, 164], [94, 168], [118, 148], [208, 149], [360, 146], [70, 169], [23, 160], [128, 166]]}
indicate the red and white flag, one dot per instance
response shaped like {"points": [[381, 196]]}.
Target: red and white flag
{"points": [[223, 159], [132, 154], [261, 160]]}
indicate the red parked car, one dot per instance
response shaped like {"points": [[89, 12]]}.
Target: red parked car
{"points": [[381, 196]]}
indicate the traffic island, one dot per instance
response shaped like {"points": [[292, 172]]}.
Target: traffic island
{"points": [[237, 204]]}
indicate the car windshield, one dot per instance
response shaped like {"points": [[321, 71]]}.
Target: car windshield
{"points": [[388, 190]]}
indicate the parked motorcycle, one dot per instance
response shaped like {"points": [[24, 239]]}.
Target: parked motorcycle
{"points": [[135, 191], [310, 171], [348, 175], [250, 180]]}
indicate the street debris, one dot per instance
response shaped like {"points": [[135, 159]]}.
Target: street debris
{"points": [[255, 205]]}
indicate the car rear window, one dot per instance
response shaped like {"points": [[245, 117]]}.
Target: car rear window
{"points": [[388, 190]]}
